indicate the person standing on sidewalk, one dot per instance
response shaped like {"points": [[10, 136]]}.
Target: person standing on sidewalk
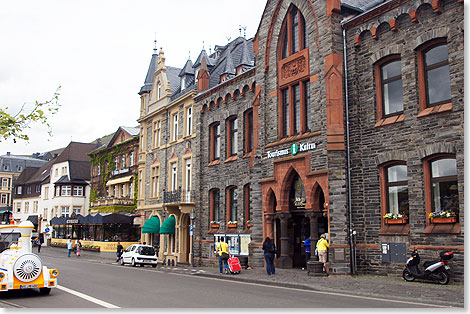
{"points": [[308, 252], [78, 247], [69, 247], [322, 246], [37, 241], [269, 250], [223, 253], [119, 250]]}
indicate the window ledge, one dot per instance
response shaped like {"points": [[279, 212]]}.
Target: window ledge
{"points": [[390, 120], [231, 158], [436, 109], [214, 162], [442, 228], [397, 229]]}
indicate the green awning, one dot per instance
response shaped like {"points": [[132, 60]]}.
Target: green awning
{"points": [[168, 226], [152, 225]]}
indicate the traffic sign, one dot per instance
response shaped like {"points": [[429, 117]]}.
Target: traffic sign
{"points": [[47, 229]]}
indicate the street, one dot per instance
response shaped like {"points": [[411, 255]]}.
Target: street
{"points": [[86, 283]]}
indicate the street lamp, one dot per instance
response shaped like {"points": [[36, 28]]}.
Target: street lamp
{"points": [[191, 232]]}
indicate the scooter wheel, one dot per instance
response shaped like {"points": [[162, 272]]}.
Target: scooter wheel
{"points": [[443, 277], [408, 276]]}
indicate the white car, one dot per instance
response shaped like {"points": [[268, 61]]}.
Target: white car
{"points": [[138, 254]]}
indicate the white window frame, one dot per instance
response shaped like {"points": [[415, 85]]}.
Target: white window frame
{"points": [[65, 210], [66, 190], [78, 190], [174, 176], [189, 121], [175, 127]]}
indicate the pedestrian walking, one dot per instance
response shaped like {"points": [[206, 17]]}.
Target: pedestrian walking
{"points": [[224, 254], [78, 247], [119, 250], [69, 246], [269, 250], [37, 241], [322, 247], [308, 250]]}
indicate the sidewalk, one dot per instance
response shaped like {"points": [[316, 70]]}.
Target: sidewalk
{"points": [[391, 287]]}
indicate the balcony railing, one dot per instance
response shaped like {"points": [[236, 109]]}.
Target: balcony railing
{"points": [[107, 201], [178, 196]]}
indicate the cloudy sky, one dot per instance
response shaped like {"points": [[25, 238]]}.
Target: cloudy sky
{"points": [[99, 53]]}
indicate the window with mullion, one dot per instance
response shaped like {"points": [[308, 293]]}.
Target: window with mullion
{"points": [[214, 141], [285, 113], [444, 185], [392, 88], [215, 205], [437, 73], [248, 130], [232, 203], [293, 34], [397, 189], [232, 134], [308, 126], [296, 111]]}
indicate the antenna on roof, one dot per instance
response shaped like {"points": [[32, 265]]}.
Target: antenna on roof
{"points": [[228, 38]]}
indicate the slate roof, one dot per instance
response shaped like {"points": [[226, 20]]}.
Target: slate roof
{"points": [[16, 164], [147, 87], [133, 131], [362, 5], [187, 69], [209, 59], [26, 175], [76, 151], [172, 74], [231, 56]]}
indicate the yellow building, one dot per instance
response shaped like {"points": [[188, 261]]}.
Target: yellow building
{"points": [[165, 164]]}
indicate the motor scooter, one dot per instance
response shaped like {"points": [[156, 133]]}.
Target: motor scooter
{"points": [[437, 270]]}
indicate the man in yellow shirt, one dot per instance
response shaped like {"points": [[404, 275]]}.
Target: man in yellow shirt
{"points": [[223, 253], [322, 247]]}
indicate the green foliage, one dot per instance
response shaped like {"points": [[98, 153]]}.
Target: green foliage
{"points": [[15, 126], [115, 209]]}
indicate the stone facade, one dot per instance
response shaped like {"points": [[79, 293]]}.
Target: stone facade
{"points": [[402, 30]]}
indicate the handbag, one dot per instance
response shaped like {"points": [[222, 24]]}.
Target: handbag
{"points": [[224, 255]]}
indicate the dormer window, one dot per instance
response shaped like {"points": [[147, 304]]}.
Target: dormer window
{"points": [[183, 82], [240, 69]]}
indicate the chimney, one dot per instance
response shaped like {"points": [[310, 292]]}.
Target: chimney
{"points": [[8, 153]]}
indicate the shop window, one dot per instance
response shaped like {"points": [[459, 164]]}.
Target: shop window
{"points": [[232, 136], [248, 116], [214, 200], [232, 204], [214, 141], [389, 87], [434, 75]]}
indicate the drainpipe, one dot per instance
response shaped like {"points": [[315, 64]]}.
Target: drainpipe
{"points": [[352, 233]]}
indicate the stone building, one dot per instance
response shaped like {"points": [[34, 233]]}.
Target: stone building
{"points": [[350, 119], [406, 114], [113, 172], [165, 167], [226, 179]]}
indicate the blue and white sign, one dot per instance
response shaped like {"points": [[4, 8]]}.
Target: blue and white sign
{"points": [[47, 229]]}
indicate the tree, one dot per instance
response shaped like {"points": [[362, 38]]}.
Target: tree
{"points": [[15, 126]]}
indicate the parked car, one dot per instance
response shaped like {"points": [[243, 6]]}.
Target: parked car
{"points": [[138, 254]]}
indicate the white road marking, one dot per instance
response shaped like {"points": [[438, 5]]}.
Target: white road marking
{"points": [[88, 298]]}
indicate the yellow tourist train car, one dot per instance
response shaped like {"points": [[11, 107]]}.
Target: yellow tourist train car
{"points": [[20, 268]]}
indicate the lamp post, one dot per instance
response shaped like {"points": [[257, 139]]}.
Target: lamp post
{"points": [[191, 232]]}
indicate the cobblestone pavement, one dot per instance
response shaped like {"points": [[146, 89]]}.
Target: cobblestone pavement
{"points": [[390, 287]]}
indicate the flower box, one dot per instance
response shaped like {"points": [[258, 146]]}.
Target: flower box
{"points": [[215, 225], [231, 225], [447, 220], [396, 221]]}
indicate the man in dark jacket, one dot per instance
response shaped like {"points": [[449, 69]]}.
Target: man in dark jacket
{"points": [[119, 250]]}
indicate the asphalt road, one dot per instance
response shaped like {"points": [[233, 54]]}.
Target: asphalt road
{"points": [[92, 284]]}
